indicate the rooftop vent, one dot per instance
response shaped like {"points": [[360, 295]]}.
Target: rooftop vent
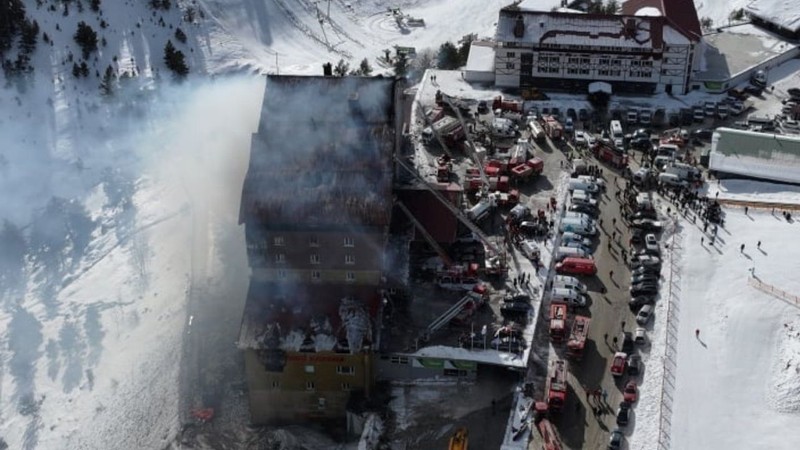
{"points": [[519, 27]]}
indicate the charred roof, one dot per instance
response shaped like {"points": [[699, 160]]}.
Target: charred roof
{"points": [[323, 152]]}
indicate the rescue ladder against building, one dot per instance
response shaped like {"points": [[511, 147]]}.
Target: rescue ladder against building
{"points": [[453, 209]]}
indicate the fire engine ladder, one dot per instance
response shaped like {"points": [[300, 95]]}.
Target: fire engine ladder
{"points": [[471, 149], [448, 315], [435, 131], [453, 209], [439, 250]]}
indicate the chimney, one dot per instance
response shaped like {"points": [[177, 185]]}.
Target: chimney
{"points": [[327, 69], [519, 27]]}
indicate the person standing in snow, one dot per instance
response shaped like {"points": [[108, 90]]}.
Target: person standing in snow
{"points": [[741, 249], [701, 240], [758, 246], [697, 333]]}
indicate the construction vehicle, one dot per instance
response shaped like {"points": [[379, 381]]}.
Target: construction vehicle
{"points": [[558, 321], [459, 440], [577, 337], [556, 385], [553, 128], [610, 155], [506, 105]]}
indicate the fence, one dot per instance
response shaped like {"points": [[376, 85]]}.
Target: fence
{"points": [[671, 345], [792, 299]]}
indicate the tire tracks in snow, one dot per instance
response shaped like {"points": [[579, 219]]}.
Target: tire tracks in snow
{"points": [[305, 29], [311, 7]]}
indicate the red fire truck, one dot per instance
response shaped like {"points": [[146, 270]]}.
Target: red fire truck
{"points": [[610, 155], [577, 337], [558, 321], [556, 387]]}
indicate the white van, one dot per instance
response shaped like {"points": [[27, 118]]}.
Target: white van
{"points": [[670, 179], [571, 283], [570, 252], [670, 150], [615, 128], [683, 171], [577, 226], [592, 179], [580, 197], [529, 249], [568, 296], [578, 215], [582, 185]]}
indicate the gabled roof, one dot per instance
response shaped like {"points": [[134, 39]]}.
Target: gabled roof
{"points": [[681, 14]]}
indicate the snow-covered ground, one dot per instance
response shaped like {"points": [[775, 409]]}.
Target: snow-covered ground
{"points": [[109, 201]]}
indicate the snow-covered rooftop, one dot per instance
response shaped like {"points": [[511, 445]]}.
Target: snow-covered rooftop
{"points": [[650, 11], [543, 28], [760, 155], [481, 57], [784, 13]]}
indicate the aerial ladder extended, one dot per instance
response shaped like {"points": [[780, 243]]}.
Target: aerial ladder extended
{"points": [[453, 209], [471, 147], [436, 134], [438, 248]]}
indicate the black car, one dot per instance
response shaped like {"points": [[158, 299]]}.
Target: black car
{"points": [[644, 278], [517, 298], [624, 414], [583, 115], [586, 209], [644, 289], [626, 338], [637, 302], [634, 364], [646, 270], [703, 134], [615, 440], [754, 90], [646, 224], [641, 144], [483, 107], [515, 308], [644, 214]]}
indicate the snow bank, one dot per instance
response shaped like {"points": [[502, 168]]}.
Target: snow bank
{"points": [[785, 396]]}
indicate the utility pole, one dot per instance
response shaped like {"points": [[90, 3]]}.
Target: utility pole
{"points": [[277, 67]]}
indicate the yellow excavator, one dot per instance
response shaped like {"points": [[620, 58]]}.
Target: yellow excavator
{"points": [[459, 440]]}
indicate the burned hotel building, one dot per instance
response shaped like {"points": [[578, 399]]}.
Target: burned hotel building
{"points": [[316, 206]]}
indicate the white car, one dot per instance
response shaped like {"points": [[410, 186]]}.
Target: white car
{"points": [[580, 139], [644, 314], [651, 243], [591, 179], [577, 244], [569, 237]]}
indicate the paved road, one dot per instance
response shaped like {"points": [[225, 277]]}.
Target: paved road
{"points": [[578, 426]]}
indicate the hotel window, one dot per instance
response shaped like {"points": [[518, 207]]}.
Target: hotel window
{"points": [[280, 258], [604, 73], [509, 65], [278, 241], [604, 61], [315, 276], [647, 63], [345, 370], [321, 403], [399, 360], [348, 242], [349, 259], [310, 385], [510, 54], [313, 241], [351, 277], [345, 386], [309, 368], [314, 258]]}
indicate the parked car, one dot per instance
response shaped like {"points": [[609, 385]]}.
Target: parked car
{"points": [[703, 134], [615, 440], [580, 139], [640, 259], [646, 224], [634, 364], [623, 414], [618, 364], [644, 289], [640, 336], [651, 243], [578, 245], [644, 314], [515, 308], [586, 209], [626, 342], [631, 392], [640, 300], [644, 278], [569, 236], [644, 214], [645, 270]]}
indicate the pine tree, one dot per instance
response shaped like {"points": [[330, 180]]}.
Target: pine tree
{"points": [[84, 69], [12, 15], [364, 68], [341, 68], [175, 60], [94, 5], [180, 35], [401, 65], [76, 70], [107, 84], [30, 33], [448, 56], [86, 38]]}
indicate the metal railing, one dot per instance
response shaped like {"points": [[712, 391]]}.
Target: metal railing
{"points": [[773, 291]]}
